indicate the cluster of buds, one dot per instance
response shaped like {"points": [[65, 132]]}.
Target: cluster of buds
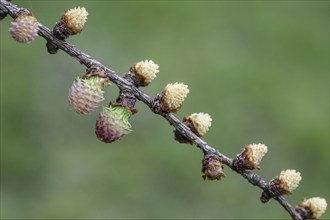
{"points": [[86, 92], [198, 123], [171, 99], [71, 23], [112, 123], [212, 167], [284, 184], [24, 28], [312, 208], [143, 72], [250, 157]]}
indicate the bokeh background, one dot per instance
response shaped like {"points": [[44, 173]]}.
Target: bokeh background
{"points": [[259, 68]]}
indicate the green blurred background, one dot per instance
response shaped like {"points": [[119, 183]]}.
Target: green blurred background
{"points": [[259, 68]]}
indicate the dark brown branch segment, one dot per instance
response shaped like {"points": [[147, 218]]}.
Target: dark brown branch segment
{"points": [[123, 84]]}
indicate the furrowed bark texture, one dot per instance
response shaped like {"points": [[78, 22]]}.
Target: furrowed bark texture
{"points": [[88, 61]]}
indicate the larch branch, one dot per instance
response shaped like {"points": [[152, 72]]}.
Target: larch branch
{"points": [[88, 61]]}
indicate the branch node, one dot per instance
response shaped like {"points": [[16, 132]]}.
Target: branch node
{"points": [[51, 47], [2, 14], [212, 167], [180, 138], [127, 99], [96, 70], [22, 12], [265, 197], [155, 106], [305, 213], [238, 164]]}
